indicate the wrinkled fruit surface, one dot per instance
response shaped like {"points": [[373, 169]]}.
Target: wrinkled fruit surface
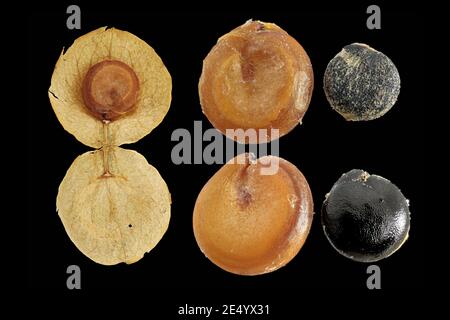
{"points": [[256, 77]]}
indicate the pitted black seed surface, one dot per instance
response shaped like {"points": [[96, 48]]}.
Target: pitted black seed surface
{"points": [[365, 217], [361, 83]]}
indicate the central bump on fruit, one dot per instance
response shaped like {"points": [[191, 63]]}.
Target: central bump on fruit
{"points": [[110, 89], [244, 197]]}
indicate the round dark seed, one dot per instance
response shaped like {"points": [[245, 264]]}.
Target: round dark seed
{"points": [[361, 83], [365, 217]]}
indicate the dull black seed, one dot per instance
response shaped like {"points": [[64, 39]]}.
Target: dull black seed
{"points": [[361, 83]]}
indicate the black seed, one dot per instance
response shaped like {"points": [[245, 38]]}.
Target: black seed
{"points": [[365, 217], [361, 83]]}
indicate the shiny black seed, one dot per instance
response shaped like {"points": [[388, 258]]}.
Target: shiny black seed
{"points": [[365, 217]]}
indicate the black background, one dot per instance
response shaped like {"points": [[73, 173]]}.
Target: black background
{"points": [[323, 147]]}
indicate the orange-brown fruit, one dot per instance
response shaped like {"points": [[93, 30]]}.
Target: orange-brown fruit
{"points": [[256, 77], [250, 223]]}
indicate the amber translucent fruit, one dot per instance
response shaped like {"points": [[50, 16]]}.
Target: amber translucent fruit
{"points": [[249, 223], [256, 77]]}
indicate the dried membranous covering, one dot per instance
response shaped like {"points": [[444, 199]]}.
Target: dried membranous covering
{"points": [[117, 218], [65, 92], [107, 89]]}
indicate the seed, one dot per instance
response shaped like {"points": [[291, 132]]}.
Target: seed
{"points": [[110, 89], [249, 223], [365, 217], [361, 83], [256, 77]]}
